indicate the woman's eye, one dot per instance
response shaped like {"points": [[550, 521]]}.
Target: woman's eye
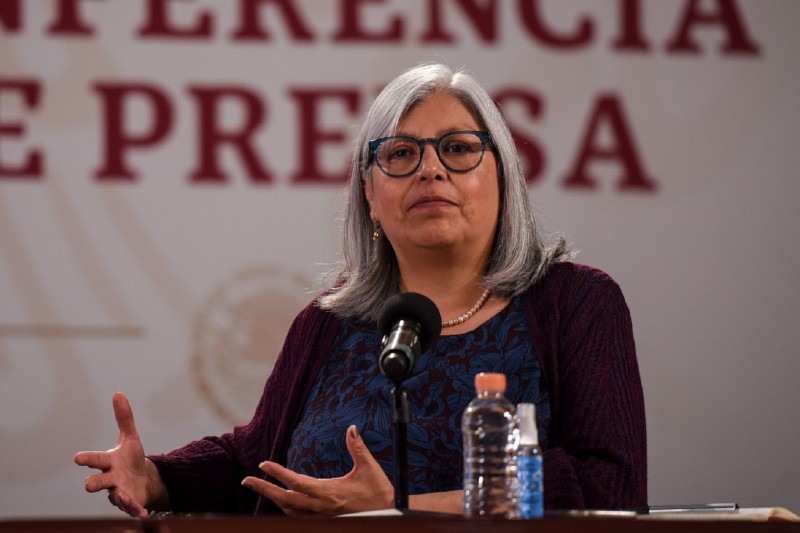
{"points": [[399, 152], [458, 148]]}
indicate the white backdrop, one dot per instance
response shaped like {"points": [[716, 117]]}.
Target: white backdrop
{"points": [[178, 291]]}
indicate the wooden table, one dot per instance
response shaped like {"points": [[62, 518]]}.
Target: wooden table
{"points": [[386, 524]]}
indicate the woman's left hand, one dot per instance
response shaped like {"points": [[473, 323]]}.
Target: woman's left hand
{"points": [[364, 488]]}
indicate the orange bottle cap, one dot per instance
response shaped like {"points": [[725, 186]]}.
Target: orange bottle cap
{"points": [[490, 382]]}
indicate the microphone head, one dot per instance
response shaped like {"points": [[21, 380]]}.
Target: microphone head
{"points": [[413, 307]]}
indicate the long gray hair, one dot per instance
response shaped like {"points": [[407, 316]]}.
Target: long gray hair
{"points": [[367, 274]]}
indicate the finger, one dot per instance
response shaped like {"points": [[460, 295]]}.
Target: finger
{"points": [[367, 470], [292, 502], [99, 460], [124, 415], [98, 482], [292, 480], [125, 503], [355, 445]]}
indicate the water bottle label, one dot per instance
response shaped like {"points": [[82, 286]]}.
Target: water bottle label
{"points": [[531, 497]]}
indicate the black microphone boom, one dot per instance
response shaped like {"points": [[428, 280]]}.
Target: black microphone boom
{"points": [[410, 322]]}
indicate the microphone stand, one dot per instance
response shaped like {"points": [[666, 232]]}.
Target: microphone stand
{"points": [[400, 419], [409, 321]]}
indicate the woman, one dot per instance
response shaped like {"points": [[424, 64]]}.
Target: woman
{"points": [[437, 205]]}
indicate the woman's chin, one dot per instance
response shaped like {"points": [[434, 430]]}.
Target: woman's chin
{"points": [[437, 241]]}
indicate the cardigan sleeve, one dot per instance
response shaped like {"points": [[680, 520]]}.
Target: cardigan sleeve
{"points": [[597, 456], [205, 475]]}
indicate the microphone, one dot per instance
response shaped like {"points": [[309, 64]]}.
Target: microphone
{"points": [[410, 322]]}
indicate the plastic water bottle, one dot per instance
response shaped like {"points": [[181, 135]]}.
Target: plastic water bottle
{"points": [[529, 464], [489, 433]]}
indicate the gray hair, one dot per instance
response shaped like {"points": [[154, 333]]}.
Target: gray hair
{"points": [[368, 274]]}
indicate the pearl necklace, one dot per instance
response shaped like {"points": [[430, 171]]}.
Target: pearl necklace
{"points": [[466, 316]]}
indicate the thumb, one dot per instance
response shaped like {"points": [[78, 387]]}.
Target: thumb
{"points": [[355, 445], [124, 415], [367, 473]]}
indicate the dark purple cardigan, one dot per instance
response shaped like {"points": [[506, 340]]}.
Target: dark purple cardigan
{"points": [[596, 454]]}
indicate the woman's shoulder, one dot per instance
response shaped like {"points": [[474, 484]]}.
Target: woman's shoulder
{"points": [[569, 274], [567, 283], [313, 317]]}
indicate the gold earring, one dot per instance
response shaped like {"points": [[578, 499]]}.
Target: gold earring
{"points": [[376, 231]]}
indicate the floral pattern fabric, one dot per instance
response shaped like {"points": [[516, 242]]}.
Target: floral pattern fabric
{"points": [[351, 390]]}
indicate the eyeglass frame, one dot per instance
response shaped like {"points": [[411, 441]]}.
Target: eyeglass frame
{"points": [[484, 136]]}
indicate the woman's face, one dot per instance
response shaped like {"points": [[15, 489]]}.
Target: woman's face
{"points": [[435, 208]]}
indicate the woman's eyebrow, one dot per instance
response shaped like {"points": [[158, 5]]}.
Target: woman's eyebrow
{"points": [[441, 132]]}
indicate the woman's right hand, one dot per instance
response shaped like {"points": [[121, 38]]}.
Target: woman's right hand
{"points": [[132, 480]]}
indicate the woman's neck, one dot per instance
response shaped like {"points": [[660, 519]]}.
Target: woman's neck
{"points": [[453, 282]]}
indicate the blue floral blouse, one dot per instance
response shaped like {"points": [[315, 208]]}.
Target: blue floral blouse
{"points": [[351, 390]]}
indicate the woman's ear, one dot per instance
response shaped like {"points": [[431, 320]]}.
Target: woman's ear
{"points": [[367, 184]]}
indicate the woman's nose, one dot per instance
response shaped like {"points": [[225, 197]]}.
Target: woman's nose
{"points": [[431, 167]]}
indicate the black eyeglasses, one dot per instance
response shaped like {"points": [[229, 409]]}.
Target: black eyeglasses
{"points": [[400, 156]]}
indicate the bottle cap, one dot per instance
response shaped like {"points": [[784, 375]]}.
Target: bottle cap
{"points": [[526, 415], [490, 382]]}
